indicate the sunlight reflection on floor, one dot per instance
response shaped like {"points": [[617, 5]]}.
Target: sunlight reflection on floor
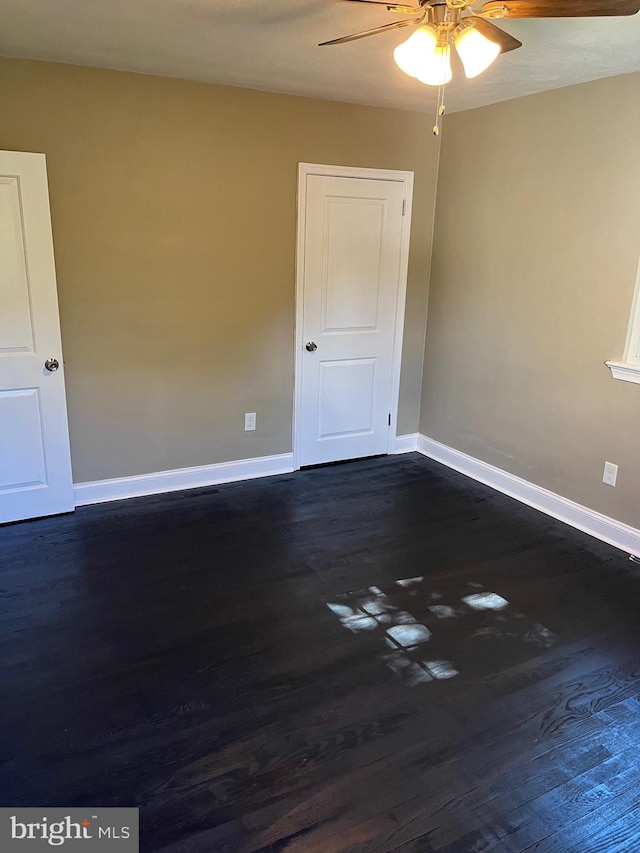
{"points": [[372, 610]]}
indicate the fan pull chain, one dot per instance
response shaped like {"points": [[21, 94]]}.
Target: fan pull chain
{"points": [[439, 112]]}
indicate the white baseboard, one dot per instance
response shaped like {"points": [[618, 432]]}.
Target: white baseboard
{"points": [[181, 478], [406, 443], [603, 527], [588, 520]]}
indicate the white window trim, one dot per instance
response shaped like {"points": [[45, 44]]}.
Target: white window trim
{"points": [[629, 369]]}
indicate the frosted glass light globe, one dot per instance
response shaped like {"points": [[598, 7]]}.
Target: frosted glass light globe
{"points": [[437, 70], [476, 52], [412, 56]]}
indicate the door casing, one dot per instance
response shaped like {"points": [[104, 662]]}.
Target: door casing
{"points": [[406, 177]]}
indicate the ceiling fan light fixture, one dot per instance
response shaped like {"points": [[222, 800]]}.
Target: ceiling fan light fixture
{"points": [[414, 55], [476, 51], [437, 69]]}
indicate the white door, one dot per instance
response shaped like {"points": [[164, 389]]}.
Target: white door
{"points": [[353, 242], [35, 468]]}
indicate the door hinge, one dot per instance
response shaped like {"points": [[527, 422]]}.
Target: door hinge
{"points": [[389, 418], [404, 206]]}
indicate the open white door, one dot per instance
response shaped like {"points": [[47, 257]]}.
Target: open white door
{"points": [[353, 237], [35, 465]]}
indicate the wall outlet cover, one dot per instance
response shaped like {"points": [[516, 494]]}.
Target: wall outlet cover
{"points": [[610, 474]]}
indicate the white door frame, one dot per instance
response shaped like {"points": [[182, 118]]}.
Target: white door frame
{"points": [[304, 170]]}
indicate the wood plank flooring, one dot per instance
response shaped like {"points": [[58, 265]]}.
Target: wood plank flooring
{"points": [[236, 662]]}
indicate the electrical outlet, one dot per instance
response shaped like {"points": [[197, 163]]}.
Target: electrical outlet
{"points": [[249, 421], [610, 474]]}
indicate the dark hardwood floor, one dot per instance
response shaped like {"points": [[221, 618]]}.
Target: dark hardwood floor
{"points": [[178, 653]]}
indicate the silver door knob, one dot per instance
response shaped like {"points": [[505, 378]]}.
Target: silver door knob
{"points": [[52, 364], [312, 346]]}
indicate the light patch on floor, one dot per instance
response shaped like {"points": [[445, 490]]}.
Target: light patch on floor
{"points": [[341, 610], [376, 604], [419, 672], [411, 671], [404, 618], [409, 582], [368, 609], [442, 611], [485, 601], [441, 669], [371, 610], [540, 636], [408, 636], [357, 623]]}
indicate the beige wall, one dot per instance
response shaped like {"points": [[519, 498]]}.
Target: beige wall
{"points": [[173, 207], [536, 248]]}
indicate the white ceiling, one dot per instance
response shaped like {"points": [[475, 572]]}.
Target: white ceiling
{"points": [[271, 45]]}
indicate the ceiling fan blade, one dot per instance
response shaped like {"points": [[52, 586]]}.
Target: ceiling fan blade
{"points": [[558, 8], [382, 29], [495, 34], [392, 7]]}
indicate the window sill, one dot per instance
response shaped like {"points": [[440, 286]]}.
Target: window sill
{"points": [[624, 371]]}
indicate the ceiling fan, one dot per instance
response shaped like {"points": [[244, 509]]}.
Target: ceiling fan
{"points": [[426, 54]]}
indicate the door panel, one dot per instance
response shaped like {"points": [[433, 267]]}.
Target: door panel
{"points": [[15, 308], [351, 282], [35, 465], [346, 398], [22, 461], [352, 247]]}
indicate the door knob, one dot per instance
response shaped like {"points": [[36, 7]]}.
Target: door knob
{"points": [[312, 346], [52, 364]]}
